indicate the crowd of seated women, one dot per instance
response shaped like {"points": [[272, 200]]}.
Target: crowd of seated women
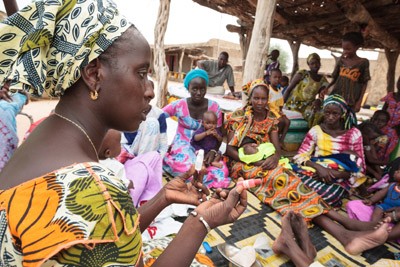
{"points": [[86, 209]]}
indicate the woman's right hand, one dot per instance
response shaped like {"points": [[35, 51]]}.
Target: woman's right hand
{"points": [[324, 174], [270, 163], [223, 207]]}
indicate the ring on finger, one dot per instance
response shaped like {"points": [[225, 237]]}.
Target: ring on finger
{"points": [[201, 200], [200, 190]]}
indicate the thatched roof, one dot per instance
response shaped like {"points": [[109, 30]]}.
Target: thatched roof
{"points": [[321, 23]]}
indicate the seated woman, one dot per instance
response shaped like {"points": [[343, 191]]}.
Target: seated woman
{"points": [[189, 112], [281, 188], [335, 139], [303, 89], [392, 105], [389, 140], [64, 208]]}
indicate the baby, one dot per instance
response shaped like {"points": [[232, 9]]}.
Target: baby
{"points": [[140, 176], [109, 150], [209, 138], [251, 152]]}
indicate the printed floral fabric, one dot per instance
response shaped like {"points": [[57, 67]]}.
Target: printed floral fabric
{"points": [[45, 44], [181, 155], [393, 107], [281, 188], [385, 148], [81, 215]]}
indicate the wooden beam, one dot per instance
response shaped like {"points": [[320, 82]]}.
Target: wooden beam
{"points": [[240, 13], [234, 28], [357, 13], [280, 19], [253, 3]]}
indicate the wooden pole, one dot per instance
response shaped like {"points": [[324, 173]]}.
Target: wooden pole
{"points": [[258, 50], [294, 46], [180, 63], [160, 63], [391, 57]]}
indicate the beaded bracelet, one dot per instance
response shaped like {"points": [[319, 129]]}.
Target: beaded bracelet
{"points": [[205, 223]]}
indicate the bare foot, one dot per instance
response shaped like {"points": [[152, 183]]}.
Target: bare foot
{"points": [[387, 219], [300, 230], [280, 246], [368, 239]]}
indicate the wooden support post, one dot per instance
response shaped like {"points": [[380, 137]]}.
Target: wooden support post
{"points": [[181, 62], [160, 63], [391, 57], [258, 50], [294, 46]]}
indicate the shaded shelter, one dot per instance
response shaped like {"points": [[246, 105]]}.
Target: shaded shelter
{"points": [[321, 23]]}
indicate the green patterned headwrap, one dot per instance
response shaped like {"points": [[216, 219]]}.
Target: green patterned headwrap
{"points": [[44, 46]]}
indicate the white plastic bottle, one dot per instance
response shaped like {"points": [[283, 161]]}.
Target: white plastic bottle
{"points": [[199, 160]]}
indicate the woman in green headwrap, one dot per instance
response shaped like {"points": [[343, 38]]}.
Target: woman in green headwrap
{"points": [[58, 205], [303, 89]]}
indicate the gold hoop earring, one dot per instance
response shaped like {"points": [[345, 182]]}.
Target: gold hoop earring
{"points": [[94, 95]]}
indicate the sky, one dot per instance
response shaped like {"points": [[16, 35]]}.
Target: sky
{"points": [[190, 22]]}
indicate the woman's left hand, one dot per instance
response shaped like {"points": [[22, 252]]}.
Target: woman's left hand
{"points": [[4, 95], [179, 190], [270, 163]]}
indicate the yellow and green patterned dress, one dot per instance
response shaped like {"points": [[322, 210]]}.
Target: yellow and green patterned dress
{"points": [[81, 215], [304, 94]]}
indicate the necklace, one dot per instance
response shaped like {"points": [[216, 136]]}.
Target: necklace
{"points": [[82, 130]]}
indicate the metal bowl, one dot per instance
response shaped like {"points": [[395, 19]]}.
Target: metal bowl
{"points": [[228, 251]]}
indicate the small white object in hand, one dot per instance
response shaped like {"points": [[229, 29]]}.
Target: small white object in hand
{"points": [[199, 160]]}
